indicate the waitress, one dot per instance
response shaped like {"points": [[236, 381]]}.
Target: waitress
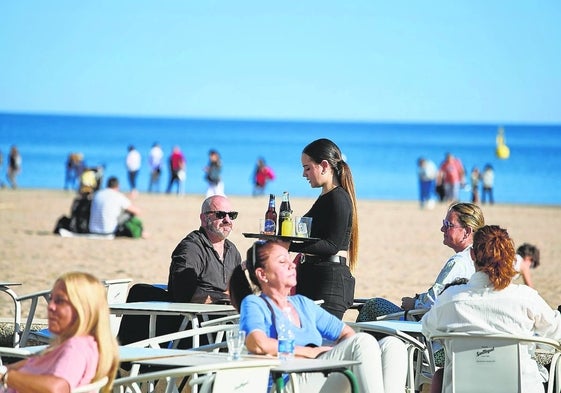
{"points": [[324, 267]]}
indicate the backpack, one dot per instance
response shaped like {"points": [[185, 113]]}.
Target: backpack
{"points": [[80, 216], [130, 228]]}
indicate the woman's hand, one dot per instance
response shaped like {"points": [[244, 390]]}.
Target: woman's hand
{"points": [[310, 352], [408, 303]]}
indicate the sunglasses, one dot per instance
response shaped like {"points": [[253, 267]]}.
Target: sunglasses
{"points": [[222, 214], [252, 263], [447, 224]]}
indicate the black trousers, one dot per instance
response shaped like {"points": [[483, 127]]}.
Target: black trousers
{"points": [[328, 281]]}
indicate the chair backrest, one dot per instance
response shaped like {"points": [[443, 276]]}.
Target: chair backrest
{"points": [[487, 362], [22, 325], [241, 380], [91, 387], [218, 331], [134, 328], [244, 376], [117, 291]]}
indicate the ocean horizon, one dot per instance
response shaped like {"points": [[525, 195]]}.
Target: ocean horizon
{"points": [[382, 156]]}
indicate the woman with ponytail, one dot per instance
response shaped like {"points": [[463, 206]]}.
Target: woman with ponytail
{"points": [[325, 267]]}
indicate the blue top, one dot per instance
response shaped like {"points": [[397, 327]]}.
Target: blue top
{"points": [[316, 323]]}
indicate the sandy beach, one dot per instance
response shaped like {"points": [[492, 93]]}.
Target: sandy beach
{"points": [[401, 248]]}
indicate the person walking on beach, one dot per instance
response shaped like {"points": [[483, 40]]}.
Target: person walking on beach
{"points": [[262, 175], [324, 267], [14, 166], [2, 185], [488, 178], [177, 167], [475, 179], [213, 174], [133, 163], [155, 158], [452, 176], [427, 173], [73, 171]]}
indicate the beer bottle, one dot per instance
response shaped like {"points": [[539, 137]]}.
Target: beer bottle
{"points": [[270, 217], [285, 219]]}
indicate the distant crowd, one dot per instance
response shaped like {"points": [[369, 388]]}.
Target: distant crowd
{"points": [[176, 164], [443, 183]]}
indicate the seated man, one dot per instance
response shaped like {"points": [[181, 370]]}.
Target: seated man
{"points": [[110, 207], [202, 263]]}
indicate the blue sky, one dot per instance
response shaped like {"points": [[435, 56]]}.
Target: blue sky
{"points": [[474, 61]]}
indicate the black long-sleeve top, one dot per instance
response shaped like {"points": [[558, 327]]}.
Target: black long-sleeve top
{"points": [[332, 221]]}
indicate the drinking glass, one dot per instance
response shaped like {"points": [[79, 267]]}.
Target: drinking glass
{"points": [[235, 340], [303, 226]]}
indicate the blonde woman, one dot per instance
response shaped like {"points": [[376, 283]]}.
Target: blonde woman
{"points": [[83, 350]]}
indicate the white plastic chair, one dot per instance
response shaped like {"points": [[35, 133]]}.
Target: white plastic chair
{"points": [[491, 363], [410, 315], [21, 329], [420, 365], [229, 319], [175, 338], [116, 293], [91, 387], [117, 290], [247, 376]]}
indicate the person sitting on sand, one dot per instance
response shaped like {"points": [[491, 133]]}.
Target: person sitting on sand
{"points": [[113, 213], [527, 257]]}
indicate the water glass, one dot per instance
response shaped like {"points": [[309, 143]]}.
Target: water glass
{"points": [[236, 341], [303, 226]]}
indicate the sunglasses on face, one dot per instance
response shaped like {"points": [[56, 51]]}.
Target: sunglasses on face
{"points": [[447, 224], [222, 214]]}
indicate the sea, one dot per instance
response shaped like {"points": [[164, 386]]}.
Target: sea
{"points": [[382, 156]]}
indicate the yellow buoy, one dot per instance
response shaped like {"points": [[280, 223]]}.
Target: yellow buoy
{"points": [[503, 152]]}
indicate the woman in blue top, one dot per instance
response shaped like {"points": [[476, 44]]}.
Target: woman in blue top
{"points": [[260, 290]]}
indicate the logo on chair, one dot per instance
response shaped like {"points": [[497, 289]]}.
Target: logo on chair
{"points": [[241, 385], [484, 351]]}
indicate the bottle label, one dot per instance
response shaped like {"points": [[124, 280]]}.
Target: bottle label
{"points": [[269, 228], [286, 348]]}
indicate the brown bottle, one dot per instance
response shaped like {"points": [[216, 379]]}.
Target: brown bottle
{"points": [[270, 217]]}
